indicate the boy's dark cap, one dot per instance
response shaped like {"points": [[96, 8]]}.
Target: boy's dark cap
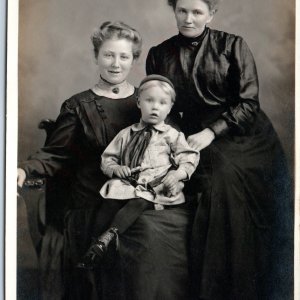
{"points": [[156, 77]]}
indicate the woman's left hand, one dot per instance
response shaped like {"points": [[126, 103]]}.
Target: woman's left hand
{"points": [[202, 139]]}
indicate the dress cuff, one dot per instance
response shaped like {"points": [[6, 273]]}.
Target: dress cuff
{"points": [[33, 169], [219, 127], [25, 166]]}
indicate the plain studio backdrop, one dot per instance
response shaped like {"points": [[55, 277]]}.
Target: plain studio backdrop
{"points": [[56, 56]]}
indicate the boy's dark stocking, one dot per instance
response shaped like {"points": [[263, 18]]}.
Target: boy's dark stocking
{"points": [[104, 215], [127, 213]]}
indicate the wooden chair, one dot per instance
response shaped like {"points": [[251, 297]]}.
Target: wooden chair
{"points": [[46, 203]]}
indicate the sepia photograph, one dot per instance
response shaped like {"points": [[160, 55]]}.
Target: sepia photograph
{"points": [[155, 150]]}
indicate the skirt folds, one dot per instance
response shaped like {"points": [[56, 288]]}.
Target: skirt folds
{"points": [[151, 263], [241, 246]]}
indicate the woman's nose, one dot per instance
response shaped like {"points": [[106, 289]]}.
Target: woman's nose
{"points": [[188, 18], [116, 62]]}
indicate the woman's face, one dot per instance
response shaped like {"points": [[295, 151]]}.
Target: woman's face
{"points": [[115, 60], [192, 16]]}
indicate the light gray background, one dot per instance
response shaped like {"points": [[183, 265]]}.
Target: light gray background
{"points": [[56, 59]]}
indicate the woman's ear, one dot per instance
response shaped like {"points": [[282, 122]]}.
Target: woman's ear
{"points": [[212, 14], [134, 61], [138, 104]]}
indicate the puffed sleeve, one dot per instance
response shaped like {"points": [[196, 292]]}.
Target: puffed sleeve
{"points": [[51, 158], [244, 87], [151, 62]]}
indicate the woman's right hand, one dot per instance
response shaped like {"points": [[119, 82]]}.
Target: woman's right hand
{"points": [[21, 177], [122, 172], [202, 139]]}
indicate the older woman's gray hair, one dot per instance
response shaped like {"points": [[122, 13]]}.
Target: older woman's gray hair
{"points": [[213, 5]]}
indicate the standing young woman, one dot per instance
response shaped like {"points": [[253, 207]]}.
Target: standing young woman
{"points": [[242, 227]]}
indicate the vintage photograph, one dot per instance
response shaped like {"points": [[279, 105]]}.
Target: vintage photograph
{"points": [[156, 150]]}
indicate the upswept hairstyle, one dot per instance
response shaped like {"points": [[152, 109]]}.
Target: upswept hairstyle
{"points": [[119, 30], [213, 5]]}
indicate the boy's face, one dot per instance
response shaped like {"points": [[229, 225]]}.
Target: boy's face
{"points": [[155, 104]]}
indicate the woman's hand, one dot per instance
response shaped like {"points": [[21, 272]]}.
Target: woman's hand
{"points": [[21, 177], [122, 172], [201, 139]]}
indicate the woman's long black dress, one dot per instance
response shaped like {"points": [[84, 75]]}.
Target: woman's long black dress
{"points": [[241, 245], [152, 260]]}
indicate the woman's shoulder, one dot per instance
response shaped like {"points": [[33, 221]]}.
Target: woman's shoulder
{"points": [[224, 42], [219, 36], [84, 96], [169, 43], [75, 100]]}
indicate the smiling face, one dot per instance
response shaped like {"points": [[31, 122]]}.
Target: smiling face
{"points": [[155, 104], [115, 60], [192, 16]]}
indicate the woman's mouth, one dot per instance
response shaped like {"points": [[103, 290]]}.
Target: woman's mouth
{"points": [[187, 27], [114, 72]]}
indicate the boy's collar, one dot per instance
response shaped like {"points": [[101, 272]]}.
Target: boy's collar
{"points": [[141, 125]]}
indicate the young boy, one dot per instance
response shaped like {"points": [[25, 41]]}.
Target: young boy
{"points": [[145, 161]]}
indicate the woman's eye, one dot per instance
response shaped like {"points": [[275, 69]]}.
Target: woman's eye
{"points": [[180, 10], [197, 13], [124, 57], [107, 55]]}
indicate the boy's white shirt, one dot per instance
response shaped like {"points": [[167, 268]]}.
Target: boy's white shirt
{"points": [[155, 164]]}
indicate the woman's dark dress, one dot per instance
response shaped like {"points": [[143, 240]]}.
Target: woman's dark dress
{"points": [[152, 261], [241, 241]]}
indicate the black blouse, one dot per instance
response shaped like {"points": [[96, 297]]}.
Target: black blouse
{"points": [[85, 126], [221, 91]]}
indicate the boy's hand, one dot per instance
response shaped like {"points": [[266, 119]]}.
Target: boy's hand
{"points": [[169, 192], [170, 180], [170, 183], [122, 172]]}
